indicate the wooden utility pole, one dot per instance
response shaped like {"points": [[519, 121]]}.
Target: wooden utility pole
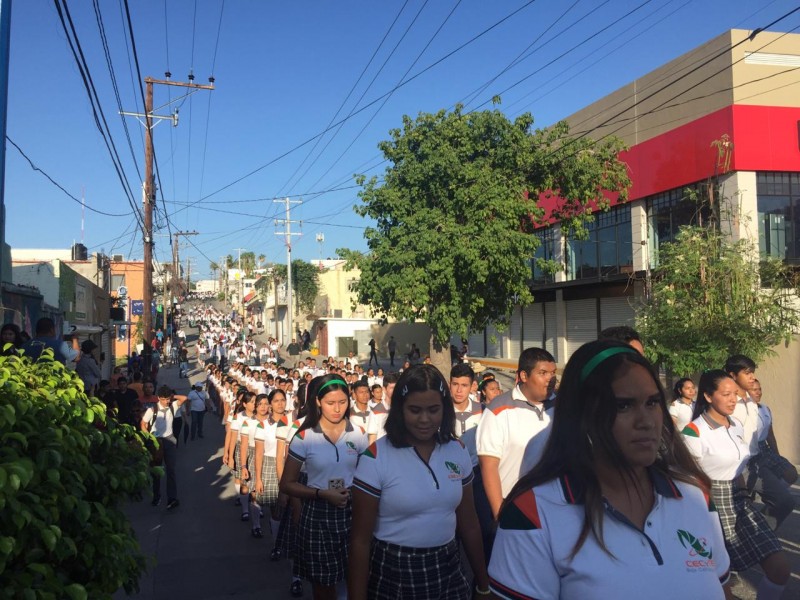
{"points": [[149, 197]]}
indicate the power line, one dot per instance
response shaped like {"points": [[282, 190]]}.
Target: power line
{"points": [[94, 100], [112, 75], [347, 97], [375, 114], [59, 186], [374, 101]]}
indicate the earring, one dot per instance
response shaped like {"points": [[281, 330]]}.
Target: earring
{"points": [[591, 445]]}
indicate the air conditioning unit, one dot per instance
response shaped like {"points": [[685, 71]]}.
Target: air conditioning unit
{"points": [[117, 257]]}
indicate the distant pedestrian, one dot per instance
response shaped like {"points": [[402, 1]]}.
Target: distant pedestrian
{"points": [[392, 345], [373, 354], [198, 401]]}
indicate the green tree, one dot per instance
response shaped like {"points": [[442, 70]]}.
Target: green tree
{"points": [[712, 297], [65, 472], [452, 242], [305, 282], [248, 262]]}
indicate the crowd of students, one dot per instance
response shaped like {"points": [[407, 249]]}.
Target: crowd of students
{"points": [[374, 486]]}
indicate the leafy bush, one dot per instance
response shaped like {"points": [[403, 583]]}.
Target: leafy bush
{"points": [[65, 471]]}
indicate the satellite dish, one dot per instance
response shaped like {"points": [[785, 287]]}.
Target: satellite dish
{"points": [[122, 291]]}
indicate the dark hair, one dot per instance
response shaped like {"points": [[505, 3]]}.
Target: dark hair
{"points": [[678, 387], [708, 384], [462, 370], [261, 397], [585, 411], [17, 334], [44, 326], [419, 378], [359, 384], [530, 357], [739, 362], [392, 377], [620, 333], [315, 392], [274, 393], [376, 386], [300, 404], [163, 392]]}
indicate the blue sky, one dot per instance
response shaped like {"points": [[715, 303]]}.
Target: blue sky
{"points": [[282, 71]]}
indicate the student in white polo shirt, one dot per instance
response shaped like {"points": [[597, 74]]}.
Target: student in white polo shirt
{"points": [[412, 495], [511, 421], [615, 508], [328, 445], [380, 412], [359, 408], [717, 440], [682, 407]]}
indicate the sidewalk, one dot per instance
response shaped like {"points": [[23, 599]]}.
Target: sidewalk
{"points": [[201, 550]]}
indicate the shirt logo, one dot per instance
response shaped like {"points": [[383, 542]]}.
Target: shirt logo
{"points": [[454, 469], [351, 447], [700, 552]]}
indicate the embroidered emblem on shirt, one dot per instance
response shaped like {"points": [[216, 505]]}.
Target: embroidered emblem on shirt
{"points": [[455, 470], [700, 552], [372, 451]]}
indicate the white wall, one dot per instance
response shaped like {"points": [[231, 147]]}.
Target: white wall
{"points": [[40, 276]]}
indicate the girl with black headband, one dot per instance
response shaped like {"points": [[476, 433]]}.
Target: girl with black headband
{"points": [[329, 446], [616, 507]]}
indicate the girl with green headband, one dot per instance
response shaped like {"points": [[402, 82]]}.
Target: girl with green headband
{"points": [[328, 445], [616, 507]]}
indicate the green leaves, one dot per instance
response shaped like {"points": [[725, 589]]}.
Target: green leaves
{"points": [[452, 242], [712, 297], [63, 481]]}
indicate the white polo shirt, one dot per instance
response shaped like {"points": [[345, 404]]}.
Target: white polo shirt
{"points": [[746, 412], [467, 428], [681, 412], [328, 463], [720, 451], [377, 420], [359, 418], [248, 428], [266, 433], [418, 500], [680, 554], [162, 426], [506, 429]]}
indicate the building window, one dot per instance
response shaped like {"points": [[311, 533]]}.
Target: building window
{"points": [[545, 251], [607, 251], [117, 281], [779, 215], [668, 211]]}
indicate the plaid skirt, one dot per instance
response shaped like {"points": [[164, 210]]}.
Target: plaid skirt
{"points": [[323, 539], [286, 538], [237, 461], [748, 537], [767, 458], [269, 478], [399, 572]]}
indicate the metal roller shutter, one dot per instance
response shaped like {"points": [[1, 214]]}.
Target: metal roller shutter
{"points": [[514, 334], [581, 323], [550, 329], [475, 341], [533, 326], [616, 311]]}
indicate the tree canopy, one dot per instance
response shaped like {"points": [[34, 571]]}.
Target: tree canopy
{"points": [[712, 297], [454, 214], [305, 282]]}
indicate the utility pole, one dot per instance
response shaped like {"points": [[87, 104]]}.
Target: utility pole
{"points": [[288, 233], [5, 45], [149, 193]]}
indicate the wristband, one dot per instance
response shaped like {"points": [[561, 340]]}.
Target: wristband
{"points": [[482, 592]]}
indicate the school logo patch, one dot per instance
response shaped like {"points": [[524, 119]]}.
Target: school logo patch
{"points": [[351, 447], [701, 555], [372, 451], [453, 469]]}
